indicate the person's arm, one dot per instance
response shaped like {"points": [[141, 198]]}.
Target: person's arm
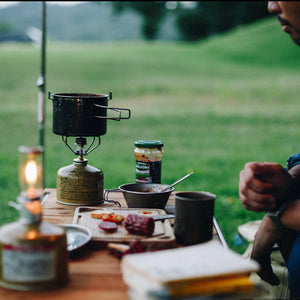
{"points": [[265, 238], [290, 217], [265, 186], [254, 190], [295, 173]]}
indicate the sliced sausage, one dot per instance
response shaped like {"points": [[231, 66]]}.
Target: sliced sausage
{"points": [[139, 224], [108, 226]]}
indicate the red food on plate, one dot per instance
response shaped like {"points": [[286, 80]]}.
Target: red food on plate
{"points": [[139, 224], [108, 226]]}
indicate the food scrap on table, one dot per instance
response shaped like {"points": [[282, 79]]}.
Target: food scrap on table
{"points": [[119, 250]]}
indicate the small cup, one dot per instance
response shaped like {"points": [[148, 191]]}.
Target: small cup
{"points": [[194, 212]]}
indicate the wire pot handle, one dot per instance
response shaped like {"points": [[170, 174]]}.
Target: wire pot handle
{"points": [[105, 196], [116, 109]]}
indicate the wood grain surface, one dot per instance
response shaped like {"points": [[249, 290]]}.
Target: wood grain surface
{"points": [[94, 273]]}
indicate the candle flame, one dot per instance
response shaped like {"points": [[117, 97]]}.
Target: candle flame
{"points": [[31, 172]]}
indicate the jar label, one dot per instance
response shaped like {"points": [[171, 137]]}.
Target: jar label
{"points": [[148, 172], [28, 263]]}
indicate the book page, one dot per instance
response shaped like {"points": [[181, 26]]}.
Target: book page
{"points": [[205, 260]]}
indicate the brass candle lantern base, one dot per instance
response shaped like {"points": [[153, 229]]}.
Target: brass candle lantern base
{"points": [[33, 252]]}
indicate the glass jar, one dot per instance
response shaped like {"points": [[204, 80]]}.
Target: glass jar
{"points": [[148, 154], [31, 177]]}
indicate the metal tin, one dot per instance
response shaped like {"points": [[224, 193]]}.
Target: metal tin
{"points": [[148, 154], [79, 184]]}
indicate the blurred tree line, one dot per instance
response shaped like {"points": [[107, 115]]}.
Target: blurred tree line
{"points": [[194, 19]]}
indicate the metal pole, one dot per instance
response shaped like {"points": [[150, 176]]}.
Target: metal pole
{"points": [[41, 84]]}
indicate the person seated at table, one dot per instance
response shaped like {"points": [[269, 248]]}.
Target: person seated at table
{"points": [[267, 186]]}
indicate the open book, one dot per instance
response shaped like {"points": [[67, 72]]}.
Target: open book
{"points": [[207, 268]]}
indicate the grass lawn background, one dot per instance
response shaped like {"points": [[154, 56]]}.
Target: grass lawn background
{"points": [[215, 104]]}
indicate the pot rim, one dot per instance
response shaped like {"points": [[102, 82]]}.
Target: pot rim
{"points": [[79, 95], [195, 195], [121, 188]]}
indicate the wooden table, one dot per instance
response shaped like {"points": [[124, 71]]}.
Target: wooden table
{"points": [[95, 274]]}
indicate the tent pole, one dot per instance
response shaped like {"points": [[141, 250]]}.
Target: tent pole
{"points": [[41, 84]]}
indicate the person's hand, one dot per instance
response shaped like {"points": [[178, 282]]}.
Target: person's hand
{"points": [[267, 235], [263, 185]]}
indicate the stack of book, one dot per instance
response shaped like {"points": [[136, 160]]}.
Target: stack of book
{"points": [[188, 272]]}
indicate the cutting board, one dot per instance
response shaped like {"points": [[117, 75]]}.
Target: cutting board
{"points": [[162, 238]]}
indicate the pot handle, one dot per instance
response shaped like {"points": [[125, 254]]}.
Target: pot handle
{"points": [[49, 96], [105, 196], [116, 109]]}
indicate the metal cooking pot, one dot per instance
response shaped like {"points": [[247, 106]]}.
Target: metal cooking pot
{"points": [[81, 114], [143, 195]]}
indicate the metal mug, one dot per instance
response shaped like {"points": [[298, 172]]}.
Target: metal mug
{"points": [[194, 214]]}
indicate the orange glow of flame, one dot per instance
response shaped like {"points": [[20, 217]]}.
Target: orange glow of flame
{"points": [[35, 207], [31, 172]]}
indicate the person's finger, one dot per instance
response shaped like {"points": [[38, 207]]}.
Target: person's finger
{"points": [[249, 180], [257, 202], [265, 169]]}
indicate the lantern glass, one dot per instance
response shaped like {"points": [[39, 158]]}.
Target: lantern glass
{"points": [[31, 172]]}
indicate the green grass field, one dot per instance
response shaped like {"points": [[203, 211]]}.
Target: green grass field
{"points": [[216, 104]]}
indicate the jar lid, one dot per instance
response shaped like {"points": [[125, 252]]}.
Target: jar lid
{"points": [[148, 144], [29, 150]]}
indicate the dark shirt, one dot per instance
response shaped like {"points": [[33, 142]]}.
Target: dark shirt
{"points": [[293, 160]]}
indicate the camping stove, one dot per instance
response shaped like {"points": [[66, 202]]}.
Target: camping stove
{"points": [[81, 116]]}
